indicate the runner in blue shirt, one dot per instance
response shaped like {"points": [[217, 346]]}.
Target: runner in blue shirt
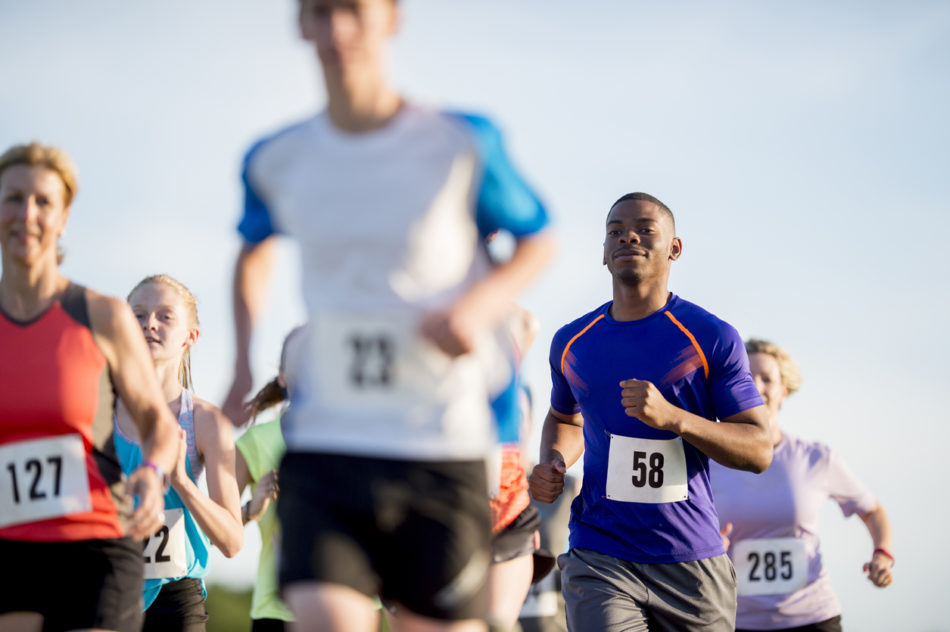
{"points": [[638, 387]]}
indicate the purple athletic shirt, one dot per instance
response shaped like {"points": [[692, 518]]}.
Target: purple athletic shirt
{"points": [[784, 502], [699, 363]]}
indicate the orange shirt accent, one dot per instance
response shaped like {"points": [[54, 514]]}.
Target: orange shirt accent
{"points": [[702, 356]]}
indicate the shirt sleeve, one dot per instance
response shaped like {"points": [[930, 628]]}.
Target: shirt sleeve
{"points": [[562, 397], [845, 488], [730, 380], [505, 201], [262, 447], [256, 223]]}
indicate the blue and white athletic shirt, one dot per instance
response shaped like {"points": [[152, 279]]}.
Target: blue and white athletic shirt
{"points": [[391, 224], [179, 549]]}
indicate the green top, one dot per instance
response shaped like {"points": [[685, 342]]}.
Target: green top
{"points": [[262, 447]]}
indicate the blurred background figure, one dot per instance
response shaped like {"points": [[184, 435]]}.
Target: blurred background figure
{"points": [[770, 521], [259, 451]]}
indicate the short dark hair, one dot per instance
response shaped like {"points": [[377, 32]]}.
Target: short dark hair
{"points": [[646, 197]]}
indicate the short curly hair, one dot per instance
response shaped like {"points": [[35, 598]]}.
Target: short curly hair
{"points": [[791, 376]]}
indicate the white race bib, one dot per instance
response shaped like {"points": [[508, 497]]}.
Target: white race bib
{"points": [[646, 470], [770, 566], [42, 479], [165, 554], [375, 361]]}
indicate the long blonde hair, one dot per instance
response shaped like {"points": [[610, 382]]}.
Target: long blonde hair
{"points": [[191, 309]]}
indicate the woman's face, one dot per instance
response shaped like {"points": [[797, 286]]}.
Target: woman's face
{"points": [[33, 213], [768, 379], [163, 316]]}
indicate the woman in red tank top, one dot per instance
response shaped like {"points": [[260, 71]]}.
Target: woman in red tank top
{"points": [[64, 503]]}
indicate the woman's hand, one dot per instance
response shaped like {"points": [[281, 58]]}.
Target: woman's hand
{"points": [[265, 491]]}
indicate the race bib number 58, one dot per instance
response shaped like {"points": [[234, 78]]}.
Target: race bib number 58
{"points": [[42, 479], [646, 470]]}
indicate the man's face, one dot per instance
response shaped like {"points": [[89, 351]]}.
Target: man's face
{"points": [[640, 241], [347, 33]]}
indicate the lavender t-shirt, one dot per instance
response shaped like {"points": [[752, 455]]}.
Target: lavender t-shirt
{"points": [[773, 510]]}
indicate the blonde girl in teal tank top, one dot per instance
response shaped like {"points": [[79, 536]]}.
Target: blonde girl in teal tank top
{"points": [[167, 314]]}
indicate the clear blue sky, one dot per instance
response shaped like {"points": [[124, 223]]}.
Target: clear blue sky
{"points": [[802, 145]]}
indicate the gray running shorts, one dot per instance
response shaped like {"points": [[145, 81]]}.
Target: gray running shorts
{"points": [[604, 593]]}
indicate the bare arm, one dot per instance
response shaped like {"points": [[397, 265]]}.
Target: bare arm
{"points": [[740, 441], [219, 512], [562, 443], [879, 526], [242, 475], [265, 490], [455, 329], [252, 273], [119, 338]]}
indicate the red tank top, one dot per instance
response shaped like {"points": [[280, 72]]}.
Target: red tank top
{"points": [[56, 389]]}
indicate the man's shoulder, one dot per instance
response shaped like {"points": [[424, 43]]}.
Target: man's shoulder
{"points": [[278, 139], [698, 320], [578, 325]]}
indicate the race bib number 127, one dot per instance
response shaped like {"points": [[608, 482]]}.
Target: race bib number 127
{"points": [[42, 479]]}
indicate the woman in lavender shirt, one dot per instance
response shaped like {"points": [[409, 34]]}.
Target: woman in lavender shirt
{"points": [[770, 520]]}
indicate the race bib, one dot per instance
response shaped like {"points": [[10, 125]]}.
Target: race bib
{"points": [[375, 361], [770, 566], [42, 479], [646, 470], [165, 555]]}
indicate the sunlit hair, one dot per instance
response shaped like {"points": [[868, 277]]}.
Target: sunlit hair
{"points": [[791, 377], [272, 393], [48, 157], [191, 310]]}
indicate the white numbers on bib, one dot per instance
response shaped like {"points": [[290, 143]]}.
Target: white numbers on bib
{"points": [[375, 361], [165, 554], [646, 470], [770, 566], [42, 479]]}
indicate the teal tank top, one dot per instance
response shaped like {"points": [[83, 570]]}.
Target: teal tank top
{"points": [[179, 549]]}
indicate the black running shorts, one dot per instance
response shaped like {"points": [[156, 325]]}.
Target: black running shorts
{"points": [[87, 584], [416, 533]]}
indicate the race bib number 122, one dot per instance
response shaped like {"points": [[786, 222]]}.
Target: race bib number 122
{"points": [[165, 554]]}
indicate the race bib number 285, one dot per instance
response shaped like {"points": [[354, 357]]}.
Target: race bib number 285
{"points": [[770, 566], [42, 479]]}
